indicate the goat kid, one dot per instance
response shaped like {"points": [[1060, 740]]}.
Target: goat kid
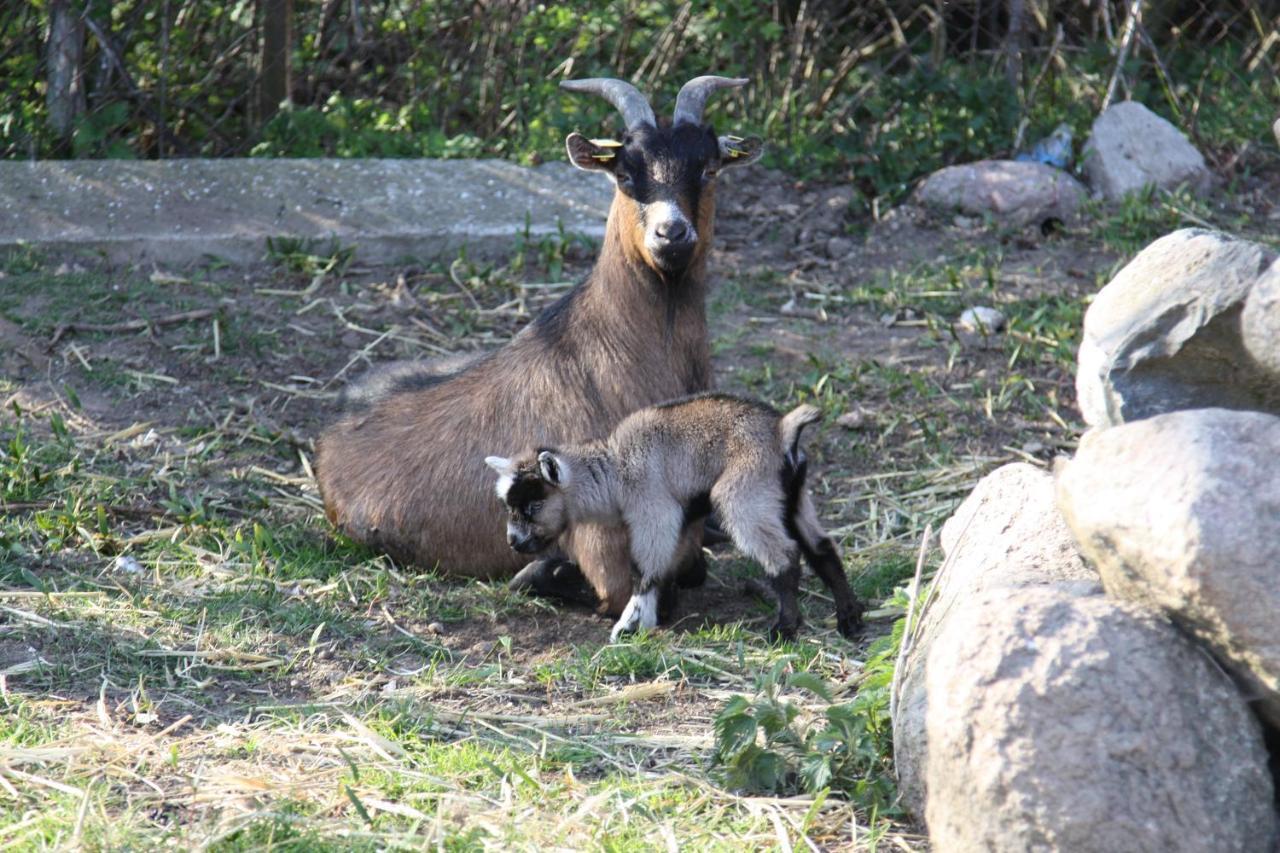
{"points": [[400, 471], [664, 469]]}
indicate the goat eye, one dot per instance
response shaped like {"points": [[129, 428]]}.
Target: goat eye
{"points": [[709, 173]]}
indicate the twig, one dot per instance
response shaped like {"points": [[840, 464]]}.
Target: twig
{"points": [[1035, 86], [904, 646], [132, 325], [1126, 38]]}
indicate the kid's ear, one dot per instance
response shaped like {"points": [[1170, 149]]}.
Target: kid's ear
{"points": [[736, 151], [505, 467], [553, 469], [592, 154]]}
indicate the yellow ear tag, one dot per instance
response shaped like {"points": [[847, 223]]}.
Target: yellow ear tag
{"points": [[735, 153], [604, 156]]}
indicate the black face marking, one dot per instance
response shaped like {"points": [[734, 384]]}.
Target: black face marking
{"points": [[526, 490], [667, 164]]}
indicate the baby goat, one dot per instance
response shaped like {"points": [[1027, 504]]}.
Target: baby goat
{"points": [[665, 468]]}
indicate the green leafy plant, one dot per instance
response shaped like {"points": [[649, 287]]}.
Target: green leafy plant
{"points": [[771, 744]]}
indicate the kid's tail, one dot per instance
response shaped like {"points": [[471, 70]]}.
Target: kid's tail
{"points": [[792, 424]]}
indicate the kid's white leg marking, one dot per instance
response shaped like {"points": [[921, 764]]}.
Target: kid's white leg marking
{"points": [[641, 612], [647, 608], [626, 622]]}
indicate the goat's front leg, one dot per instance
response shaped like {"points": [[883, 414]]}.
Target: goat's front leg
{"points": [[555, 577], [654, 540]]}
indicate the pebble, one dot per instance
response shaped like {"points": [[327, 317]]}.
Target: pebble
{"points": [[981, 319], [839, 247]]}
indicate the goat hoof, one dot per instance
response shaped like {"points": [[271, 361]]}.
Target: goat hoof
{"points": [[782, 634], [849, 626], [531, 577], [623, 630], [849, 623]]}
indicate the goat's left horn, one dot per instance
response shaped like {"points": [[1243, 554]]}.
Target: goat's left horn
{"points": [[625, 98], [692, 99]]}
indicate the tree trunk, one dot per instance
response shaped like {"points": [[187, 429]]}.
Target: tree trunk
{"points": [[63, 53], [277, 40], [1013, 44]]}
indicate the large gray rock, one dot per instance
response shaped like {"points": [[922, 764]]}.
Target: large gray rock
{"points": [[1260, 321], [1006, 535], [1181, 512], [1013, 192], [1131, 148], [1165, 333], [1085, 724]]}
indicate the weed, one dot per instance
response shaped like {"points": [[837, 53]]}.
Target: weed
{"points": [[309, 255], [771, 744]]}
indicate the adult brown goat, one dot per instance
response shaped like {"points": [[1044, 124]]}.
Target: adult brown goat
{"points": [[403, 469]]}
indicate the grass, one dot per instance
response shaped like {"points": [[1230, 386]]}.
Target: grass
{"points": [[190, 656]]}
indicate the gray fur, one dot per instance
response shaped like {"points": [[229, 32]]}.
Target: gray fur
{"points": [[655, 465]]}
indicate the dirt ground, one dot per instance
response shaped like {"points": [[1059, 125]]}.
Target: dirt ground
{"points": [[169, 587]]}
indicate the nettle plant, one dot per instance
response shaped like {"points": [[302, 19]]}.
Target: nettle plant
{"points": [[770, 744]]}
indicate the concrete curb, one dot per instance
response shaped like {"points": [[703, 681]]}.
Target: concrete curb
{"points": [[179, 211]]}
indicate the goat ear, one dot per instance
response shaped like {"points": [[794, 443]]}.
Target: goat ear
{"points": [[736, 151], [598, 155], [553, 469], [505, 467]]}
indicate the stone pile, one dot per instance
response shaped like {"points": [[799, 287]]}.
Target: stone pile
{"points": [[1129, 149], [1098, 662]]}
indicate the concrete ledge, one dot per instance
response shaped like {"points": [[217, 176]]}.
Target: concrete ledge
{"points": [[177, 211]]}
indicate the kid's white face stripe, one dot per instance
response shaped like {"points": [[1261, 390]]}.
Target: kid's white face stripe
{"points": [[506, 472], [504, 485]]}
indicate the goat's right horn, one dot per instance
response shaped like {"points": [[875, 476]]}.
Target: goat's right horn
{"points": [[692, 99], [625, 98]]}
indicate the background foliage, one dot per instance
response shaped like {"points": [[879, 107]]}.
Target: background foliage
{"points": [[875, 92]]}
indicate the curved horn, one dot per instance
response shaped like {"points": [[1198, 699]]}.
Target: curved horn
{"points": [[625, 98], [693, 97]]}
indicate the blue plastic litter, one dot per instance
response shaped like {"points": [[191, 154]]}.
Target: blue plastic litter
{"points": [[1053, 150]]}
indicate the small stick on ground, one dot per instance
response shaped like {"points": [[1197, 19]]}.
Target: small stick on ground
{"points": [[132, 325]]}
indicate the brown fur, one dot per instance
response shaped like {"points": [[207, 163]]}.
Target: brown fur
{"points": [[406, 475]]}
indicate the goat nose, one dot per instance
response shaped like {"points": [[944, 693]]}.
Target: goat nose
{"points": [[674, 231], [513, 540]]}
